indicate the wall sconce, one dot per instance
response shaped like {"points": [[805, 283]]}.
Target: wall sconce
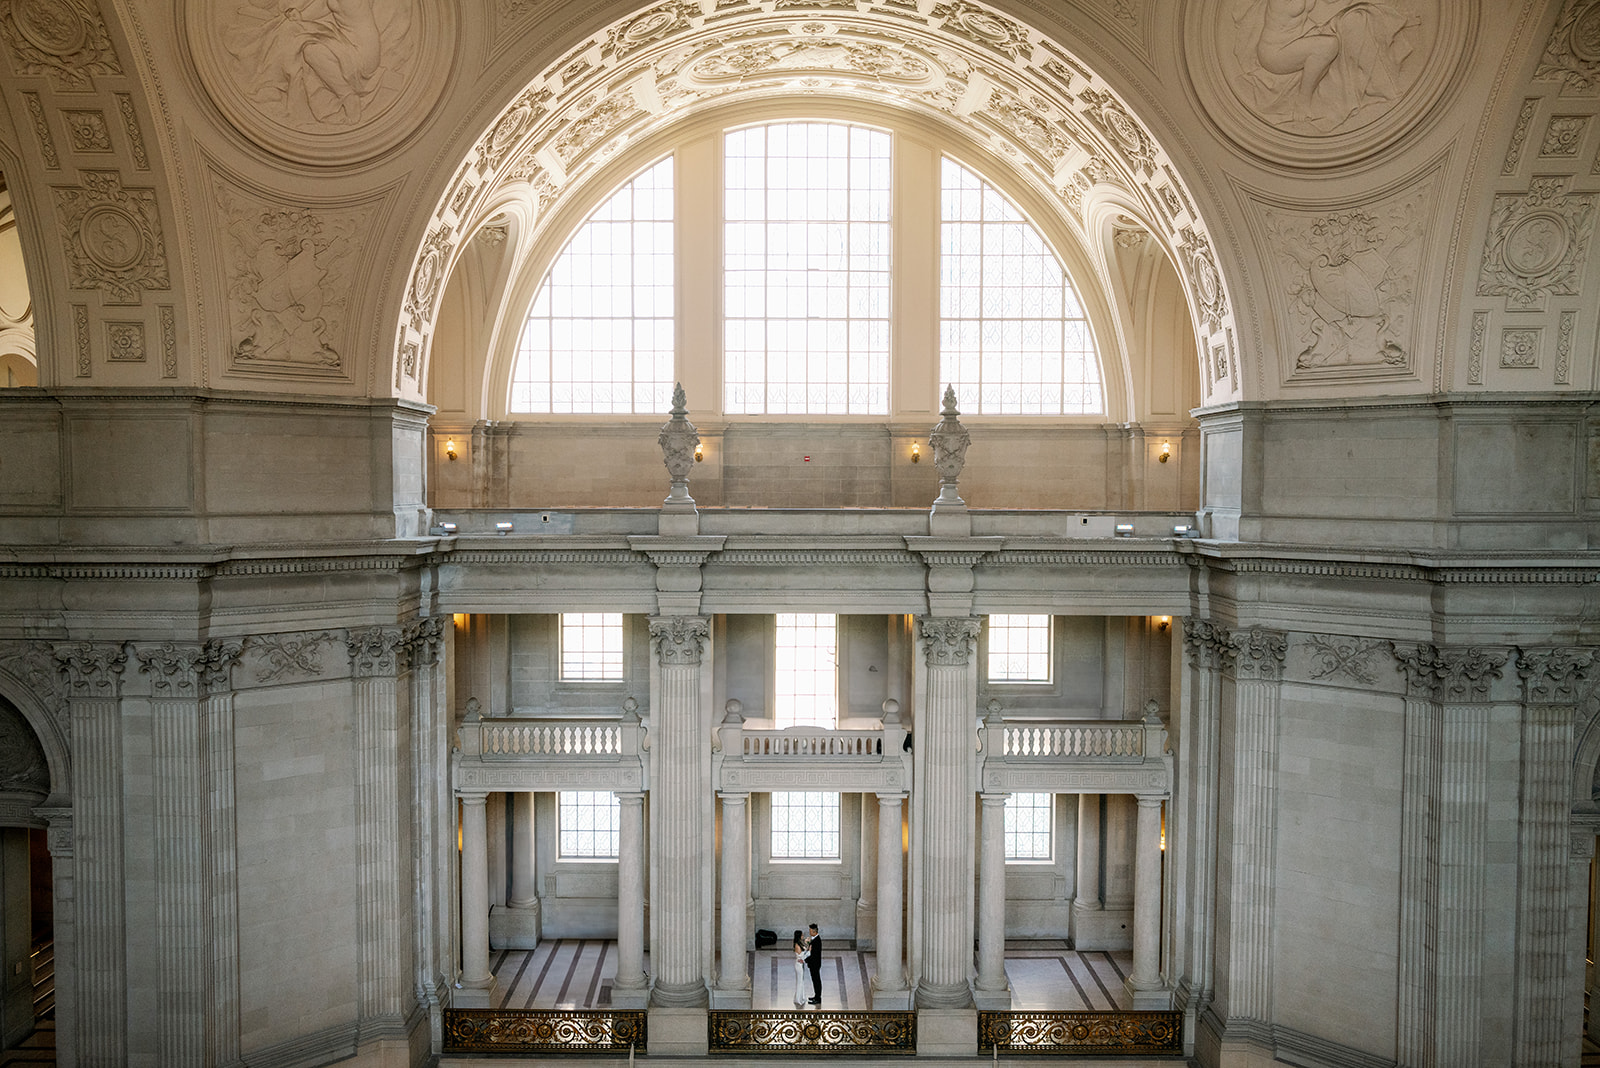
{"points": [[1163, 622], [450, 447], [1166, 452], [916, 452], [699, 452]]}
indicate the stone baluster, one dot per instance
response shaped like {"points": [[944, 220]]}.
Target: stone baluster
{"points": [[679, 844], [992, 990], [733, 985], [94, 688], [945, 747], [630, 991], [889, 985]]}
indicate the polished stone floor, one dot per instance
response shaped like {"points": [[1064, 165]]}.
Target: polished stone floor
{"points": [[578, 973]]}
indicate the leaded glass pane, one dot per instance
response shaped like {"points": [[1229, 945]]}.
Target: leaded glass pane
{"points": [[591, 646], [1029, 826], [1019, 648], [588, 824], [805, 826]]}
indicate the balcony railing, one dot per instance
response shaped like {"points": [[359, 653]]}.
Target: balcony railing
{"points": [[1096, 741], [570, 738], [817, 1032], [807, 745], [1068, 1034], [544, 1030]]}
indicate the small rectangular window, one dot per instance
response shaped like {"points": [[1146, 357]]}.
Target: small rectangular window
{"points": [[1030, 826], [591, 646], [805, 826], [1019, 648], [807, 677], [587, 824]]}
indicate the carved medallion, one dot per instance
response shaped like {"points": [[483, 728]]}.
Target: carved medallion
{"points": [[62, 39], [323, 81], [1537, 245], [1322, 82], [1572, 55], [112, 237]]}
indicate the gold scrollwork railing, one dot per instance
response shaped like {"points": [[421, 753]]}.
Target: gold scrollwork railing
{"points": [[543, 1030], [1063, 1034], [867, 1033]]}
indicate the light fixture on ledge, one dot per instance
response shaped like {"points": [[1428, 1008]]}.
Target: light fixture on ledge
{"points": [[916, 452], [699, 452], [1166, 452], [1163, 622], [504, 528], [1124, 530], [447, 528], [450, 447]]}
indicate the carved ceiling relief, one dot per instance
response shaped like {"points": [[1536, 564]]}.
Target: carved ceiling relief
{"points": [[1537, 245], [1349, 277], [112, 238], [286, 268], [22, 762], [64, 40], [1572, 55]]}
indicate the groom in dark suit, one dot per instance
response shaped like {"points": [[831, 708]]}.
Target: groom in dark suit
{"points": [[814, 962]]}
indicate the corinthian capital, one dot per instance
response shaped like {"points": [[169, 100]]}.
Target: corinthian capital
{"points": [[92, 669], [949, 640], [1258, 653], [375, 651], [680, 639], [173, 668], [1448, 674], [1206, 643], [1553, 676]]}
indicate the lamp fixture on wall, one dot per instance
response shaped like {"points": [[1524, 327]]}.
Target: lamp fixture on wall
{"points": [[1163, 622], [916, 452], [450, 447], [699, 452], [1166, 452]]}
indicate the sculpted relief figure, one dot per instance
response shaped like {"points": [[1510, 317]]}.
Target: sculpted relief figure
{"points": [[312, 63], [1323, 66]]}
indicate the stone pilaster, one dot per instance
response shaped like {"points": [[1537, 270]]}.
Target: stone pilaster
{"points": [[679, 840], [733, 983], [1088, 870], [378, 657], [1192, 822], [1257, 657], [944, 749], [1442, 889], [889, 985], [432, 807], [1551, 680], [630, 991], [992, 990], [477, 982], [215, 668], [94, 686], [1144, 985], [1580, 855], [867, 900], [64, 928]]}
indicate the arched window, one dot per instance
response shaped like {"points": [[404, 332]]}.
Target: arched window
{"points": [[798, 300]]}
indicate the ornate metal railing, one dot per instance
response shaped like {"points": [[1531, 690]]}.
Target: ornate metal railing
{"points": [[866, 1033], [551, 739], [1063, 1034], [1056, 740], [544, 1030], [788, 743]]}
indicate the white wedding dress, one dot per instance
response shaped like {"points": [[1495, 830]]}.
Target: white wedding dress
{"points": [[800, 985]]}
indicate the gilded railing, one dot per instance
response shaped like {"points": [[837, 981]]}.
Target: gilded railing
{"points": [[1057, 740], [1063, 1034], [866, 1033], [543, 1030]]}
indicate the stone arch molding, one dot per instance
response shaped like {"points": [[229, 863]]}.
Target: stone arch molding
{"points": [[1013, 89]]}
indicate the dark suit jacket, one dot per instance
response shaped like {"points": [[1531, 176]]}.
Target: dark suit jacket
{"points": [[814, 954]]}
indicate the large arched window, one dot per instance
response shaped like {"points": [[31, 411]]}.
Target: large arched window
{"points": [[810, 217]]}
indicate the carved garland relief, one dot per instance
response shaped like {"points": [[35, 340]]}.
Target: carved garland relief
{"points": [[1537, 245], [64, 40]]}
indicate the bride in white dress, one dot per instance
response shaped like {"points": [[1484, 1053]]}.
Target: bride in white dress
{"points": [[799, 969]]}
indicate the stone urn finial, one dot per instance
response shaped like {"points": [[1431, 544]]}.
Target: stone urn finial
{"points": [[949, 440], [678, 439]]}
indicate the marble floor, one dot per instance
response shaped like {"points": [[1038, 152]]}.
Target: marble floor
{"points": [[578, 973]]}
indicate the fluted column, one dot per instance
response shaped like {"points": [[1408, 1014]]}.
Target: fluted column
{"points": [[221, 800], [890, 982], [1551, 681], [431, 807], [992, 991], [1192, 831], [378, 657], [524, 880], [945, 740], [680, 843], [94, 677], [1144, 984], [1088, 897], [735, 891], [867, 900], [1257, 658], [475, 975], [630, 988]]}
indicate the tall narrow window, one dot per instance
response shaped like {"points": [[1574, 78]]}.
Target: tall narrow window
{"points": [[1013, 337], [1019, 648], [805, 826], [1029, 826], [591, 646], [588, 824], [600, 336], [806, 679], [806, 282]]}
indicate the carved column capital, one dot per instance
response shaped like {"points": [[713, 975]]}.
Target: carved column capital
{"points": [[173, 669], [1258, 653], [680, 639], [1553, 676], [1206, 643], [375, 651], [423, 640], [216, 662], [92, 669], [948, 641], [1457, 675]]}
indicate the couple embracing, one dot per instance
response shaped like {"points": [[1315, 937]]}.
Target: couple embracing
{"points": [[807, 956]]}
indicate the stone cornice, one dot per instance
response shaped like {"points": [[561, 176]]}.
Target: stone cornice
{"points": [[1578, 402]]}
